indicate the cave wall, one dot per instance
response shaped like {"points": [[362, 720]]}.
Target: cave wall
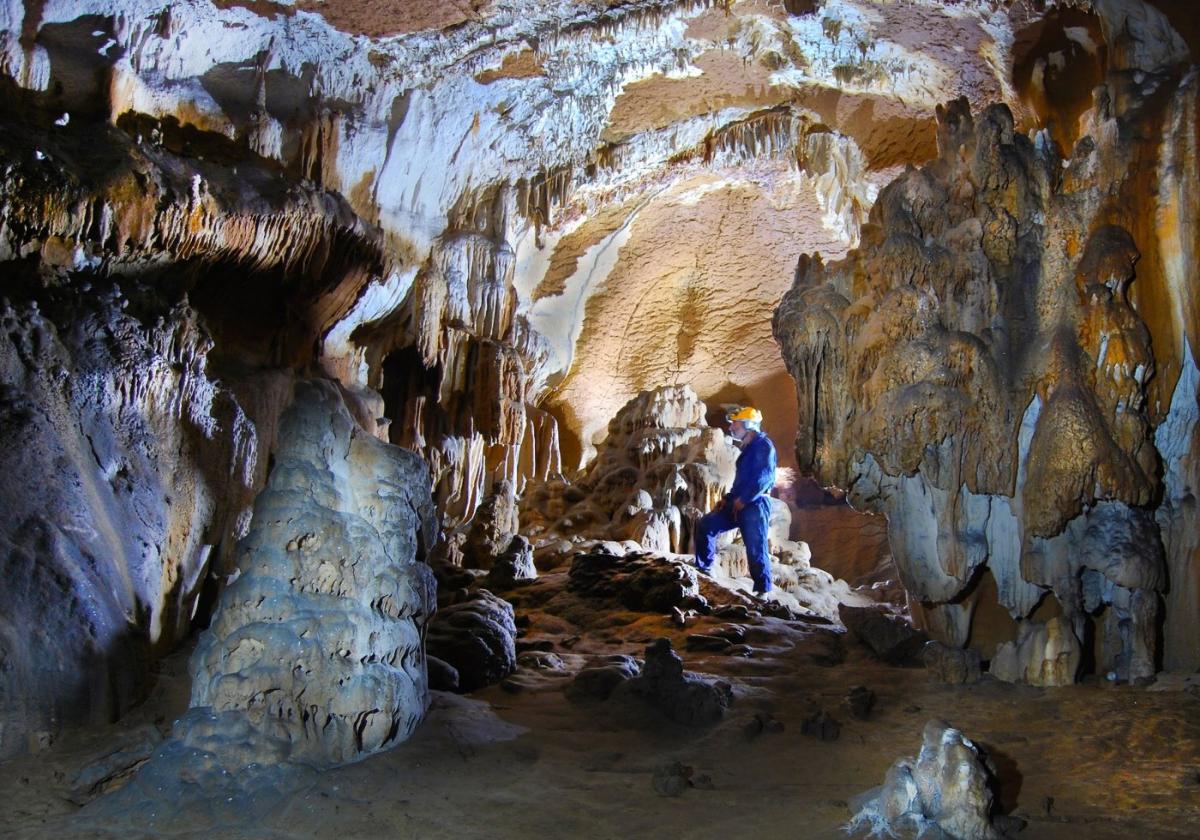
{"points": [[1004, 366], [157, 303]]}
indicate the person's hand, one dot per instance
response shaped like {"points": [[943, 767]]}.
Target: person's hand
{"points": [[738, 504]]}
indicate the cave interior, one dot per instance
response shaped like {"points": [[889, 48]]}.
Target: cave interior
{"points": [[366, 372]]}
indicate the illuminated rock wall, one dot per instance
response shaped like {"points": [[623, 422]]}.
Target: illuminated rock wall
{"points": [[1005, 368]]}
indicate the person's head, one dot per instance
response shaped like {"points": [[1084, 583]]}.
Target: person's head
{"points": [[744, 421]]}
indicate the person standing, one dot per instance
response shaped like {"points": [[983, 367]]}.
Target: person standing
{"points": [[746, 505]]}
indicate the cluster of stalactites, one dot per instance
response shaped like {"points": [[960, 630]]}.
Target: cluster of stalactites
{"points": [[832, 163], [470, 410]]}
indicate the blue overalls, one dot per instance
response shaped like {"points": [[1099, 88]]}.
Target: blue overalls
{"points": [[754, 478]]}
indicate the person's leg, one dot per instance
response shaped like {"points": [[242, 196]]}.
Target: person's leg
{"points": [[708, 527], [753, 522]]}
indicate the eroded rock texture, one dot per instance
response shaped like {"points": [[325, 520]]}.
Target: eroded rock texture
{"points": [[944, 792], [100, 547], [320, 640], [994, 369]]}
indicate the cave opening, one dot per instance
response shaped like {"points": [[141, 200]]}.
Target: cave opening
{"points": [[410, 397]]}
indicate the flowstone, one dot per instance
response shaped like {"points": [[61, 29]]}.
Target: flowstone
{"points": [[982, 370]]}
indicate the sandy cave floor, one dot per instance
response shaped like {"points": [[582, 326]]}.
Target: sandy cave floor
{"points": [[520, 760]]}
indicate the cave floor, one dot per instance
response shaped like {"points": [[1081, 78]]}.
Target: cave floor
{"points": [[520, 760]]}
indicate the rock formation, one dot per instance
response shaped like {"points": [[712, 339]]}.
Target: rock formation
{"points": [[495, 224], [320, 639], [659, 469], [944, 792], [995, 367], [102, 406], [477, 638]]}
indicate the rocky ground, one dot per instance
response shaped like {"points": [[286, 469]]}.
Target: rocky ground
{"points": [[535, 756]]}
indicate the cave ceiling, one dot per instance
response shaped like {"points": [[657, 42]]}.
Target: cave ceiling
{"points": [[651, 170]]}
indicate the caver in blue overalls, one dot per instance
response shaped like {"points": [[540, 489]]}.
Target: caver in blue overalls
{"points": [[754, 479]]}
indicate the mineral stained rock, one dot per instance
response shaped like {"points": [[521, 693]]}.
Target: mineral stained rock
{"points": [[996, 366], [944, 792], [318, 643]]}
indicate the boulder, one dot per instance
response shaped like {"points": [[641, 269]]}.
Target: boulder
{"points": [[598, 682], [889, 637], [476, 637], [951, 665]]}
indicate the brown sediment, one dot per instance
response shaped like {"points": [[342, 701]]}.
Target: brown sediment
{"points": [[519, 65], [379, 18]]}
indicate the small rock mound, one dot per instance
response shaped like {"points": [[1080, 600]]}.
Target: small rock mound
{"points": [[945, 792], [684, 698]]}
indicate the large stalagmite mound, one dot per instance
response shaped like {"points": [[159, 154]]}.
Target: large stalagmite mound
{"points": [[320, 639]]}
